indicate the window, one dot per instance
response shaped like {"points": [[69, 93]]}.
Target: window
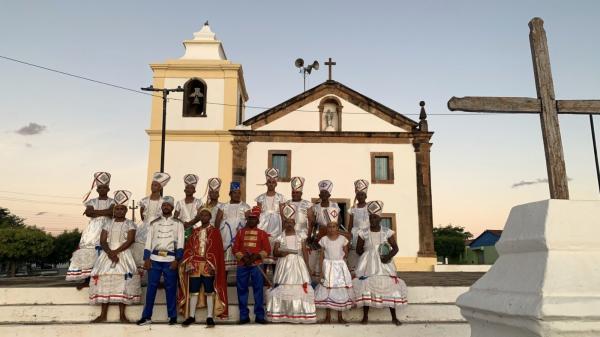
{"points": [[194, 98], [388, 220], [281, 160], [382, 167]]}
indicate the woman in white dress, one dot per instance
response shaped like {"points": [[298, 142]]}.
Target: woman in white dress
{"points": [[234, 218], [114, 278], [291, 299], [359, 218], [150, 210], [99, 210], [335, 289], [377, 284], [270, 204]]}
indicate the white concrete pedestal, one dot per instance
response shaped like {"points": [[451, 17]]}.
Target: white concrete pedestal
{"points": [[546, 281]]}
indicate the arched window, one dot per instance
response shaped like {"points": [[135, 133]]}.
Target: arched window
{"points": [[194, 98], [330, 109]]}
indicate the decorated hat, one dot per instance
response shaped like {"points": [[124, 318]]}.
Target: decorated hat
{"points": [[332, 214], [326, 185], [271, 173], [204, 209], [169, 200], [214, 184], [289, 211], [190, 179], [297, 184], [234, 186], [361, 185], [375, 207], [254, 212], [100, 178], [122, 197], [161, 178]]}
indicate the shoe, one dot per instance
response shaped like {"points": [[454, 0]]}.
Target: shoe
{"points": [[188, 321], [260, 321], [210, 322], [143, 321], [244, 321], [172, 320]]}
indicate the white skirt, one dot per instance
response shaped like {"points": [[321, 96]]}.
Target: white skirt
{"points": [[81, 265], [335, 290], [115, 282], [291, 303], [380, 291]]}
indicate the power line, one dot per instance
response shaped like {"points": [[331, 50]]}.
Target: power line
{"points": [[215, 103], [42, 195], [40, 201]]}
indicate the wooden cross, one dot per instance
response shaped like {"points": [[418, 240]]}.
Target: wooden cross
{"points": [[133, 207], [330, 64], [546, 105]]}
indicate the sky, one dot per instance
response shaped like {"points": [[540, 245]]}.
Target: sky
{"points": [[58, 130]]}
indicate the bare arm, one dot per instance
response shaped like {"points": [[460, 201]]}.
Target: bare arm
{"points": [[305, 255], [392, 241], [276, 251], [219, 218], [321, 258], [104, 242], [105, 212], [142, 208]]}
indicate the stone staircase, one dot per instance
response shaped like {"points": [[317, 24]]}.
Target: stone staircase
{"points": [[64, 311]]}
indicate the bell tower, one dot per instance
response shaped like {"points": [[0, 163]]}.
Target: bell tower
{"points": [[199, 118]]}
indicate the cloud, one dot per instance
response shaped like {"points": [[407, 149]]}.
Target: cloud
{"points": [[532, 182], [31, 129], [40, 213]]}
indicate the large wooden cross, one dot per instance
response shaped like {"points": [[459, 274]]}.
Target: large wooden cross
{"points": [[545, 104]]}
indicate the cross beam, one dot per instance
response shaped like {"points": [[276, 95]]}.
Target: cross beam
{"points": [[546, 105]]}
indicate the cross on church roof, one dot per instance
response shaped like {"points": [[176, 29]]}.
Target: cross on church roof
{"points": [[330, 64]]}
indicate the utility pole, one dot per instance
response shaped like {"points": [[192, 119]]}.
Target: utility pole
{"points": [[165, 93]]}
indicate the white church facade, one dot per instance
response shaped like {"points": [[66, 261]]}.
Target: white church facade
{"points": [[327, 132]]}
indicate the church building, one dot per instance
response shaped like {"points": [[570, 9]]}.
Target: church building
{"points": [[327, 132]]}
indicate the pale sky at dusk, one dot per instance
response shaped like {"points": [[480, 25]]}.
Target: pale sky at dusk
{"points": [[58, 130]]}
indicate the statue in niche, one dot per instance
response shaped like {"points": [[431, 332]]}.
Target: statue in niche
{"points": [[329, 120]]}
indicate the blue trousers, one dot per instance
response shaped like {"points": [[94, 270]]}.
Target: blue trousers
{"points": [[157, 270], [252, 275]]}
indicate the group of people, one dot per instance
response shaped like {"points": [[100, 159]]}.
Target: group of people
{"points": [[192, 244]]}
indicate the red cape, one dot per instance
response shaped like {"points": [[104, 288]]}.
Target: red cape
{"points": [[216, 259]]}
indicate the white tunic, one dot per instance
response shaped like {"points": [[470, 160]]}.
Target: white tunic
{"points": [[360, 216], [234, 218], [188, 211], [302, 207], [335, 290], [320, 213], [165, 234], [270, 219]]}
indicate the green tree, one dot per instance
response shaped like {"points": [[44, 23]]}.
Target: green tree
{"points": [[64, 245], [24, 244], [8, 220], [449, 241]]}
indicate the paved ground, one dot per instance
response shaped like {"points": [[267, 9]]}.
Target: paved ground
{"points": [[414, 279]]}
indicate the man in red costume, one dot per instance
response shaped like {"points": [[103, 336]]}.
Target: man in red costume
{"points": [[202, 278], [251, 246]]}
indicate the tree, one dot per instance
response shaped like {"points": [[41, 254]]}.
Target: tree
{"points": [[64, 245], [449, 241], [8, 220], [24, 244]]}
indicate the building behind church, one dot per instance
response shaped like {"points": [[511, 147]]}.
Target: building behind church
{"points": [[327, 132]]}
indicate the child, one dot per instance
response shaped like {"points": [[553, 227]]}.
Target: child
{"points": [[202, 273], [100, 211], [377, 284], [335, 290], [291, 299], [114, 278]]}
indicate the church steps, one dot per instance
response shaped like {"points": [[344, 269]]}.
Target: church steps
{"points": [[67, 305], [161, 330]]}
